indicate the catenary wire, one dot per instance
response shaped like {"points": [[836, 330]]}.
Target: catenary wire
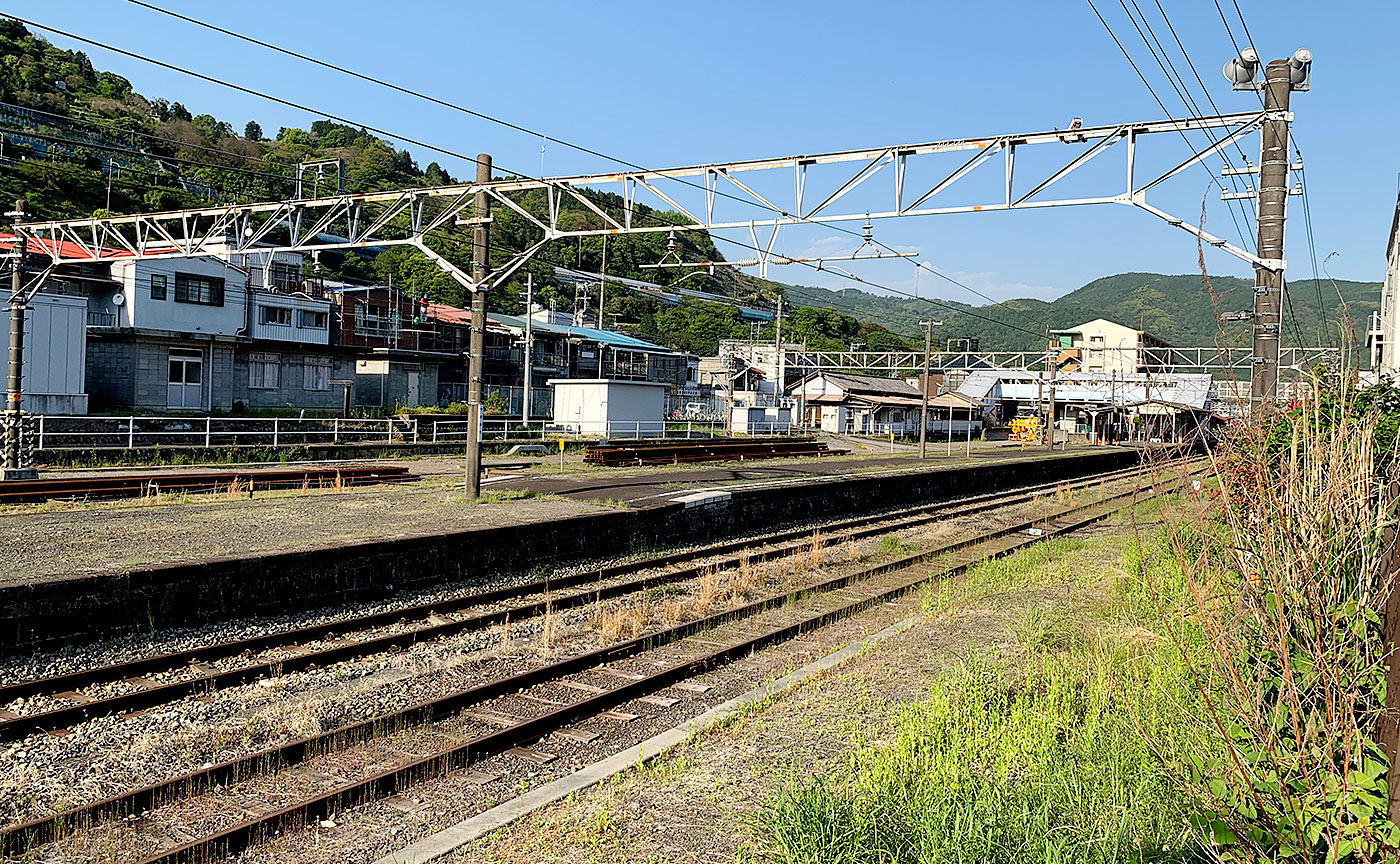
{"points": [[535, 133], [1175, 77], [288, 103], [1160, 104]]}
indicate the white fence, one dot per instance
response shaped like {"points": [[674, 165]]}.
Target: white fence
{"points": [[54, 431], [447, 430], [50, 432]]}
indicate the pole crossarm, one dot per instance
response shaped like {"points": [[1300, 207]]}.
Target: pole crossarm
{"points": [[689, 196]]}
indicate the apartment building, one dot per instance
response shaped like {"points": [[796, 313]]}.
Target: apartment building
{"points": [[1106, 346]]}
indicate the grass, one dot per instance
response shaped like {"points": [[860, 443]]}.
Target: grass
{"points": [[1034, 753], [496, 496]]}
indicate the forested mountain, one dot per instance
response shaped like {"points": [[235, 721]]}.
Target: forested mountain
{"points": [[80, 142], [1178, 309]]}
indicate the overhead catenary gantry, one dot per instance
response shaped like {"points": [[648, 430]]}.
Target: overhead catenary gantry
{"points": [[699, 197], [706, 197]]}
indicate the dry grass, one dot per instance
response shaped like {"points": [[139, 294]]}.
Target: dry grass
{"points": [[853, 553], [709, 588], [1284, 585], [618, 621], [817, 550], [549, 631]]}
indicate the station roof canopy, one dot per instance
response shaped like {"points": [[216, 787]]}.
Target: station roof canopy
{"points": [[1190, 390]]}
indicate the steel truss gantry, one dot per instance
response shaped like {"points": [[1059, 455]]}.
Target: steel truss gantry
{"points": [[804, 361], [706, 197]]}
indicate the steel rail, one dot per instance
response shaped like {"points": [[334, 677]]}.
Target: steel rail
{"points": [[238, 837], [19, 838], [150, 696]]}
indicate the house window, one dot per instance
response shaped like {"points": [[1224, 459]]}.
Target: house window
{"points": [[276, 315], [285, 277], [311, 319], [264, 371], [157, 286], [203, 290], [1095, 340], [317, 373]]}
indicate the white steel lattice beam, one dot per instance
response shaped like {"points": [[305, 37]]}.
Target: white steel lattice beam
{"points": [[412, 216], [1201, 359]]}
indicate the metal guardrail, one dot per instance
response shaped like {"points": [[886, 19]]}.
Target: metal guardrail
{"points": [[499, 429], [54, 431], [50, 432]]}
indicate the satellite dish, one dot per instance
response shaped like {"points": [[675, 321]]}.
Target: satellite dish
{"points": [[118, 299]]}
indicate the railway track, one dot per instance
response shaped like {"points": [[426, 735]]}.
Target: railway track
{"points": [[361, 636], [514, 710]]}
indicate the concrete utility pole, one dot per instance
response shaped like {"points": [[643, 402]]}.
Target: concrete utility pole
{"points": [[529, 348], [923, 391], [602, 294], [481, 268], [16, 358], [1273, 201], [781, 387], [14, 468]]}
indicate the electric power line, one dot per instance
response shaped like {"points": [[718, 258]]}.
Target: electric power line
{"points": [[534, 133], [297, 106], [1160, 104]]}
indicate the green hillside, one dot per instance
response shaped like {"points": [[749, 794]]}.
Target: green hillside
{"points": [[65, 124], [1178, 309], [81, 142]]}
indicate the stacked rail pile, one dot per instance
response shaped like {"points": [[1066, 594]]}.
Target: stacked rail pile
{"points": [[153, 483], [712, 450]]}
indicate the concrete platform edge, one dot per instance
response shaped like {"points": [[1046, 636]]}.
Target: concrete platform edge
{"points": [[445, 842]]}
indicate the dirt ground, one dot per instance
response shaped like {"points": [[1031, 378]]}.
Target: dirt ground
{"points": [[700, 802]]}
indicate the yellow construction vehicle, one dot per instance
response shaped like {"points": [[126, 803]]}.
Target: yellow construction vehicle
{"points": [[1025, 430]]}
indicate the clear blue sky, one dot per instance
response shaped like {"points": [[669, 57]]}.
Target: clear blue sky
{"points": [[664, 84]]}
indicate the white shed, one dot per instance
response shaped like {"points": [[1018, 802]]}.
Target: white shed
{"points": [[55, 355], [609, 407]]}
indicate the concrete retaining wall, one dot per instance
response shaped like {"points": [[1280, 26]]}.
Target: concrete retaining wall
{"points": [[83, 608]]}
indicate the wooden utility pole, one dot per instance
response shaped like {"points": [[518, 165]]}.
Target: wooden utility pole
{"points": [[481, 268]]}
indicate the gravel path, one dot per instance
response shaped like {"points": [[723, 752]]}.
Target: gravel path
{"points": [[71, 542]]}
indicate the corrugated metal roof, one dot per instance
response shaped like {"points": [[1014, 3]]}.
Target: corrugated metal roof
{"points": [[1023, 386], [41, 246], [604, 337], [869, 384]]}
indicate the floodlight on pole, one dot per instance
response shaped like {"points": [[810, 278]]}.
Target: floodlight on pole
{"points": [[1239, 71], [1300, 69]]}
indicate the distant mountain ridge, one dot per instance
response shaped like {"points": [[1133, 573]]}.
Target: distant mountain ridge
{"points": [[1178, 309]]}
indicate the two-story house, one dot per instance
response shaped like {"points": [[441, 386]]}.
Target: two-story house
{"points": [[398, 348], [202, 334]]}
